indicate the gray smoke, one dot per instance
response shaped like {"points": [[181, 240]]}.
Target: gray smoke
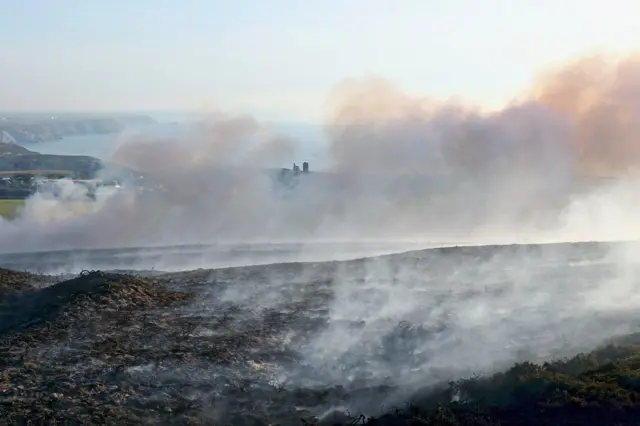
{"points": [[401, 167]]}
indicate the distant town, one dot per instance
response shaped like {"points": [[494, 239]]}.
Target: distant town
{"points": [[23, 184]]}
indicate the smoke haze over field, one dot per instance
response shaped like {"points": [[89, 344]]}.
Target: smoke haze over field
{"points": [[401, 167]]}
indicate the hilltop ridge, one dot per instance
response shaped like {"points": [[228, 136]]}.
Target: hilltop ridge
{"points": [[12, 148]]}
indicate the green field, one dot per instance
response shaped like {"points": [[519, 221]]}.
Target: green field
{"points": [[9, 208], [36, 172]]}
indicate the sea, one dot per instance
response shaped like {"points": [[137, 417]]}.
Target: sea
{"points": [[309, 140]]}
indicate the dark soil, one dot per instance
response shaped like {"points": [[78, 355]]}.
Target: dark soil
{"points": [[114, 349], [107, 348], [64, 347]]}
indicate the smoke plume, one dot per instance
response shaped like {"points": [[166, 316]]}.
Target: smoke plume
{"points": [[401, 166]]}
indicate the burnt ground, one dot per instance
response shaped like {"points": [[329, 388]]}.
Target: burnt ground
{"points": [[16, 281], [277, 344]]}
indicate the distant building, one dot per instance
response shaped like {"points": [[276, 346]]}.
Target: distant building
{"points": [[305, 167]]}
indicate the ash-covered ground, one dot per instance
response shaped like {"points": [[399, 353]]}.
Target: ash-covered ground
{"points": [[274, 344]]}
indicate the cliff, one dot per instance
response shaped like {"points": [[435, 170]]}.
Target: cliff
{"points": [[39, 128]]}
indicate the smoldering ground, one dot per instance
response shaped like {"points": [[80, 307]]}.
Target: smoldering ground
{"points": [[402, 166], [367, 334]]}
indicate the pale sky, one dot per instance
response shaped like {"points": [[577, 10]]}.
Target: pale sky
{"points": [[278, 59]]}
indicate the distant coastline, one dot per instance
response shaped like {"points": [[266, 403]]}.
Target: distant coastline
{"points": [[37, 128]]}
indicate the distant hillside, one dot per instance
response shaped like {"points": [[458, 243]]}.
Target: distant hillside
{"points": [[39, 128], [12, 148], [80, 165], [135, 120]]}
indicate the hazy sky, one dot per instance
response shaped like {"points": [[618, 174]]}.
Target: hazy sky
{"points": [[279, 58]]}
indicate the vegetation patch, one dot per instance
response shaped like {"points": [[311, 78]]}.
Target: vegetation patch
{"points": [[597, 388], [9, 208]]}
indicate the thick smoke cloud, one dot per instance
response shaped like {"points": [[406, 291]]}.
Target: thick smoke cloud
{"points": [[506, 164], [518, 171], [599, 94], [581, 117], [401, 166]]}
